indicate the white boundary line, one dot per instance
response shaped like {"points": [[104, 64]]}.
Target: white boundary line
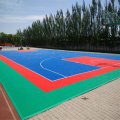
{"points": [[8, 104], [32, 70], [49, 69], [59, 78], [88, 71], [25, 67]]}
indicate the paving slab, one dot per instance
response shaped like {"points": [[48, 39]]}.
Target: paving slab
{"points": [[102, 103]]}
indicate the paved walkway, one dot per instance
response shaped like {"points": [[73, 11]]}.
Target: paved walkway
{"points": [[102, 103]]}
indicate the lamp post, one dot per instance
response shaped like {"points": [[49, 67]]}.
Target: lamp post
{"points": [[0, 46], [21, 38], [21, 41]]}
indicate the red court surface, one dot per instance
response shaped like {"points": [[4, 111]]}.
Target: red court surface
{"points": [[25, 50], [100, 62]]}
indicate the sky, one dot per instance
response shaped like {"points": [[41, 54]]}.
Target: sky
{"points": [[19, 14]]}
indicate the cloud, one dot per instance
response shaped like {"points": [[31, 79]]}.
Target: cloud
{"points": [[19, 19], [10, 3], [10, 6], [61, 0]]}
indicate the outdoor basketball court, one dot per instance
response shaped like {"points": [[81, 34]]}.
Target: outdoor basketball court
{"points": [[36, 80]]}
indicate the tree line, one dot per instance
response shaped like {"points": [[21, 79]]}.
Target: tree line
{"points": [[80, 29], [9, 38]]}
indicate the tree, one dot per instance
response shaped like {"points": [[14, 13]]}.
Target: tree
{"points": [[78, 11], [17, 40], [82, 27], [94, 8], [3, 38], [68, 27]]}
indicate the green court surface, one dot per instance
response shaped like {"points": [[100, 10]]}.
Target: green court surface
{"points": [[29, 100]]}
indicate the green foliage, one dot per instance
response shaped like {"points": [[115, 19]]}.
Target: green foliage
{"points": [[80, 27], [9, 38]]}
